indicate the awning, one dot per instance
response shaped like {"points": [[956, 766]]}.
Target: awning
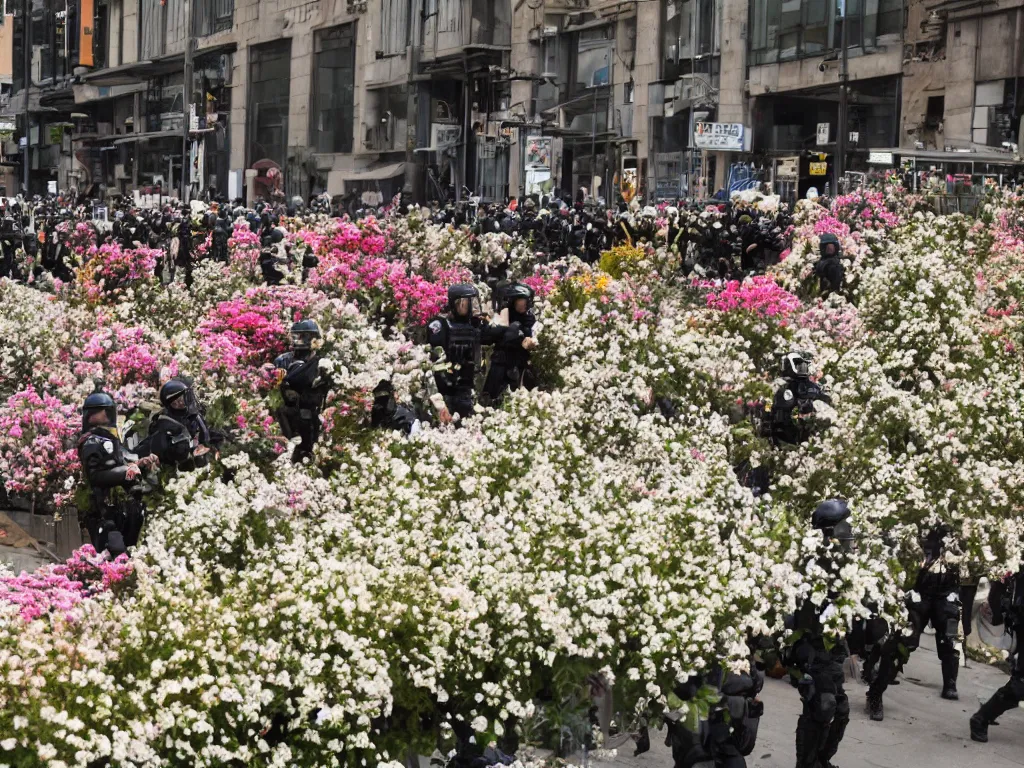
{"points": [[377, 173], [133, 137], [123, 74], [939, 155]]}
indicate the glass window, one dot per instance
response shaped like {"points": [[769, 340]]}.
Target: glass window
{"points": [[890, 17], [815, 26], [677, 36], [269, 85], [334, 88], [593, 58]]}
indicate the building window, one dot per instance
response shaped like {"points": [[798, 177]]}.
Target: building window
{"points": [[394, 26], [269, 86], [785, 30], [212, 16], [594, 58], [334, 88]]}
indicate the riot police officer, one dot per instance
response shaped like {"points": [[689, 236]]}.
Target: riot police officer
{"points": [[1009, 610], [460, 334], [178, 434], [935, 600], [729, 733], [388, 413], [818, 668], [794, 401], [114, 520], [304, 389], [509, 367], [829, 267]]}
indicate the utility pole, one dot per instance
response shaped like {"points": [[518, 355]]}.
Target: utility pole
{"points": [[26, 28], [186, 99], [844, 77]]}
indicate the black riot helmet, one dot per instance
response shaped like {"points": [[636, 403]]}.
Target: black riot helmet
{"points": [[303, 333], [177, 395], [828, 515], [829, 247], [463, 301], [934, 541], [796, 365], [99, 402], [384, 404], [515, 292]]}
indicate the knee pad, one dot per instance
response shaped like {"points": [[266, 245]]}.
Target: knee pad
{"points": [[842, 707], [825, 711], [1016, 685]]}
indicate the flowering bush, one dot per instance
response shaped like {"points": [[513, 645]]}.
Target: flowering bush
{"points": [[112, 272], [352, 608], [38, 436]]}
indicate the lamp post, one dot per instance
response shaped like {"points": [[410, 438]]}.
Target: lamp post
{"points": [[844, 76]]}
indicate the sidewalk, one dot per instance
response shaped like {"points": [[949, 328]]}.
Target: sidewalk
{"points": [[920, 730]]}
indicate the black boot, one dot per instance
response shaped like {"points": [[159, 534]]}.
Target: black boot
{"points": [[950, 670], [1002, 700], [875, 710]]}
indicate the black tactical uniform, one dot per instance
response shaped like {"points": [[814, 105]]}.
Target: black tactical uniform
{"points": [[387, 413], [115, 519], [935, 600], [1009, 610], [729, 733], [820, 678], [794, 400], [304, 389], [178, 430], [509, 367], [829, 267]]}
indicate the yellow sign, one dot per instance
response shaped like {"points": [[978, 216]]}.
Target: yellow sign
{"points": [[819, 169]]}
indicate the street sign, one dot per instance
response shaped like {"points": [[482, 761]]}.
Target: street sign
{"points": [[819, 169], [880, 158], [720, 136], [854, 137], [787, 168], [822, 134]]}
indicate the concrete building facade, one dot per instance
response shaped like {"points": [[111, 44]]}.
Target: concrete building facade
{"points": [[448, 98]]}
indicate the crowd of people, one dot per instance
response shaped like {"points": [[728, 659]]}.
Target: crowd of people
{"points": [[723, 241]]}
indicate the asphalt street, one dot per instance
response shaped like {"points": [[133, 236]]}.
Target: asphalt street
{"points": [[920, 729]]}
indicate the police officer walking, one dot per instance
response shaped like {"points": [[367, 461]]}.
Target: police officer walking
{"points": [[1009, 610], [304, 389], [820, 679], [509, 365], [178, 434], [794, 401], [114, 520], [460, 335], [935, 600]]}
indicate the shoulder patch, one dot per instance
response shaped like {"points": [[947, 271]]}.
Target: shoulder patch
{"points": [[108, 446], [435, 326]]}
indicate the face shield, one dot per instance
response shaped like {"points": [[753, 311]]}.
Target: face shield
{"points": [[302, 341], [100, 417], [843, 537], [466, 307], [829, 250]]}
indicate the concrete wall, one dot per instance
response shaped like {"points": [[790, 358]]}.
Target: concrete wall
{"points": [[7, 49], [732, 97], [804, 73]]}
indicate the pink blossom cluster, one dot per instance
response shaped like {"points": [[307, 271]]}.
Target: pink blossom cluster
{"points": [[61, 588], [865, 209], [760, 295], [244, 247], [113, 268], [239, 336], [384, 288], [38, 435], [125, 353]]}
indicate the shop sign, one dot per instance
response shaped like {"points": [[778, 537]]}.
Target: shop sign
{"points": [[880, 158], [819, 169], [720, 136]]}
